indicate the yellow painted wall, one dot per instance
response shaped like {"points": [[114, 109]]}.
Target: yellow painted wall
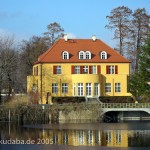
{"points": [[46, 77]]}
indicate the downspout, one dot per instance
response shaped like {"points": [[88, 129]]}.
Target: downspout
{"points": [[41, 82], [113, 87]]}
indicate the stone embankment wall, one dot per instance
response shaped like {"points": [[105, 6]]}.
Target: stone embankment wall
{"points": [[46, 113], [79, 115], [79, 112]]}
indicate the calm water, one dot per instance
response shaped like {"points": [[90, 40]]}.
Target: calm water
{"points": [[75, 136]]}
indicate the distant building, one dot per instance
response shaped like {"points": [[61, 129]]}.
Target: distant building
{"points": [[79, 67]]}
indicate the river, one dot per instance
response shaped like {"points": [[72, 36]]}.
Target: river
{"points": [[75, 136]]}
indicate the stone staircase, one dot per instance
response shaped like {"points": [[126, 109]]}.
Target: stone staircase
{"points": [[93, 100]]}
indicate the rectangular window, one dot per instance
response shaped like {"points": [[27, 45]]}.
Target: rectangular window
{"points": [[64, 88], [96, 89], [77, 69], [80, 89], [57, 70], [111, 69], [93, 69], [55, 88], [88, 89], [85, 69], [117, 87], [108, 87]]}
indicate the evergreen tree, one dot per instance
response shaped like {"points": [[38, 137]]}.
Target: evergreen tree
{"points": [[139, 82]]}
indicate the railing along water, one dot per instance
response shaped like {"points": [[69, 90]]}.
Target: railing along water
{"points": [[125, 105]]}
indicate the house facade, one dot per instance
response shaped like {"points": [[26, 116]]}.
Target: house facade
{"points": [[79, 67]]}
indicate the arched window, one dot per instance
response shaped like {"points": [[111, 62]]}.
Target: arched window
{"points": [[65, 55], [103, 55], [81, 55], [87, 55]]}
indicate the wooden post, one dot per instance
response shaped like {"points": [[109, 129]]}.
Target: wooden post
{"points": [[9, 121], [9, 115]]}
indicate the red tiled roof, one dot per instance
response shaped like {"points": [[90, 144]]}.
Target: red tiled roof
{"points": [[73, 46]]}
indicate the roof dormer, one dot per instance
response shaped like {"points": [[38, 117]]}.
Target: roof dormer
{"points": [[87, 55], [81, 55], [65, 55], [103, 55]]}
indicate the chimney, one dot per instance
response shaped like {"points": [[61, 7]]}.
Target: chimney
{"points": [[94, 37], [65, 37]]}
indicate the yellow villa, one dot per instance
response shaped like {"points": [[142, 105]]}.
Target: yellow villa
{"points": [[79, 67]]}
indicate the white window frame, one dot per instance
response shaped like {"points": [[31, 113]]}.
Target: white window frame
{"points": [[80, 89], [112, 69], [81, 55], [96, 89], [85, 69], [65, 55], [64, 88], [107, 87], [87, 55], [94, 69], [103, 55], [54, 88], [88, 89], [77, 70], [117, 87], [58, 70]]}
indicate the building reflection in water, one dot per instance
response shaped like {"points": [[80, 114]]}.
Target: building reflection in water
{"points": [[117, 138], [79, 137]]}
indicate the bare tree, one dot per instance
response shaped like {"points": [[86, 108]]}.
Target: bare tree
{"points": [[139, 32], [119, 20], [54, 32], [30, 51], [132, 30], [8, 65]]}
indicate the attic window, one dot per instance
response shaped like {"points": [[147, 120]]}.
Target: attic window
{"points": [[81, 55], [87, 55], [65, 55], [103, 55], [84, 55]]}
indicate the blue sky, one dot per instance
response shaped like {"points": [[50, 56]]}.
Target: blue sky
{"points": [[79, 18]]}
